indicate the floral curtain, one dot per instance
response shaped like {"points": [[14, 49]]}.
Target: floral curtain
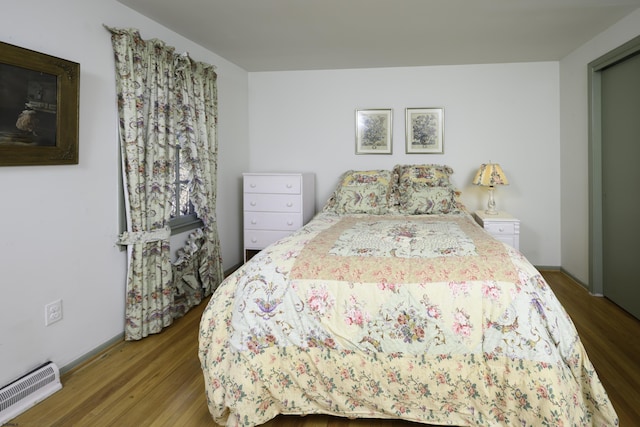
{"points": [[197, 96], [164, 99]]}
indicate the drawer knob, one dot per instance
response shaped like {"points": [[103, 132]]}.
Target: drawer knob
{"points": [[253, 221], [501, 229], [252, 203], [254, 240], [289, 204], [289, 185], [252, 185], [289, 222]]}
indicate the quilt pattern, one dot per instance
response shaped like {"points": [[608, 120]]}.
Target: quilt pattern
{"points": [[472, 336]]}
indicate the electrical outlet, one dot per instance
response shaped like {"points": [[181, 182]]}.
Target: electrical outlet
{"points": [[53, 312]]}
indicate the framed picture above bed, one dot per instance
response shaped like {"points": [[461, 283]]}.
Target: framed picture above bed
{"points": [[373, 131], [425, 130]]}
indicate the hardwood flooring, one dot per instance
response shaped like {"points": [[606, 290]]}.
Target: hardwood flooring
{"points": [[158, 381]]}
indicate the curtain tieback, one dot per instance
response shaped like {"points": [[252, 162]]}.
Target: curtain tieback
{"points": [[131, 237]]}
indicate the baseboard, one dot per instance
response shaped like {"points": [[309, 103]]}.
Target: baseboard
{"points": [[580, 282], [93, 353], [547, 268], [232, 269]]}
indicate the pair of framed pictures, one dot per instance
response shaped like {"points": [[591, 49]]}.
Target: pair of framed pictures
{"points": [[424, 131]]}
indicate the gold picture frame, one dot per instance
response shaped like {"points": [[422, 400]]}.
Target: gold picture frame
{"points": [[39, 108]]}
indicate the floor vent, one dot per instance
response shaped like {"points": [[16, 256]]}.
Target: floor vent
{"points": [[34, 387]]}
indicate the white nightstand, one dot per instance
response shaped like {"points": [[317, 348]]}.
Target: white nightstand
{"points": [[502, 226]]}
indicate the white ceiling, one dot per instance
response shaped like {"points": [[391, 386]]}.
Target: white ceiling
{"points": [[276, 35]]}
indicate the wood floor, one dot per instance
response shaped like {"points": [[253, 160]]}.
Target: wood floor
{"points": [[158, 382]]}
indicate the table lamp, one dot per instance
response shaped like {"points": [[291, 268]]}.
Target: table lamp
{"points": [[489, 175]]}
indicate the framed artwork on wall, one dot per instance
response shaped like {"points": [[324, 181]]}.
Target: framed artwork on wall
{"points": [[373, 131], [425, 130], [38, 108]]}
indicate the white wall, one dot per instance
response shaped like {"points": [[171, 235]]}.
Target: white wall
{"points": [[574, 139], [59, 223], [506, 113]]}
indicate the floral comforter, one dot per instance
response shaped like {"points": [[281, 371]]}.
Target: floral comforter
{"points": [[424, 318]]}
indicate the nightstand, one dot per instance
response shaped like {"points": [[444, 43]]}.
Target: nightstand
{"points": [[502, 226]]}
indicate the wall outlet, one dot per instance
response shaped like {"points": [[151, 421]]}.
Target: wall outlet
{"points": [[53, 312]]}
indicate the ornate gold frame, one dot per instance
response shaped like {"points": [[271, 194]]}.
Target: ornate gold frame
{"points": [[50, 87]]}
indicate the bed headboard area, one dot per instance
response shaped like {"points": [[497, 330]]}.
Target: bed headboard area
{"points": [[405, 189]]}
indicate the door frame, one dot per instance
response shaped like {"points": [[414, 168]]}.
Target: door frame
{"points": [[619, 54]]}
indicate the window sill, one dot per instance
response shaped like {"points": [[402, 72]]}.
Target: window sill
{"points": [[185, 223]]}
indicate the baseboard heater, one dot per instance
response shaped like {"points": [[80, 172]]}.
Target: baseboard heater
{"points": [[29, 390]]}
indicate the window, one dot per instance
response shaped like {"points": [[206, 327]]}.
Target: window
{"points": [[183, 214]]}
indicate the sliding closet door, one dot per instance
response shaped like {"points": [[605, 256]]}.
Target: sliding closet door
{"points": [[621, 183]]}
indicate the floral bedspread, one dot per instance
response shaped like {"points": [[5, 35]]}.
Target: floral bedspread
{"points": [[425, 318]]}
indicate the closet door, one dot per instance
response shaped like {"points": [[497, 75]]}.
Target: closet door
{"points": [[621, 183]]}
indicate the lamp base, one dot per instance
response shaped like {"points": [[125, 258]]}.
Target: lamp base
{"points": [[491, 205]]}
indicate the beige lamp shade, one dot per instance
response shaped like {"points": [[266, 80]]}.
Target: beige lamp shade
{"points": [[490, 175]]}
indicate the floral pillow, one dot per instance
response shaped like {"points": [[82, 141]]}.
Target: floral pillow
{"points": [[423, 175], [429, 200], [361, 192]]}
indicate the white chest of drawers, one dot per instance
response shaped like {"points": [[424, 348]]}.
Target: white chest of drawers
{"points": [[502, 226], [275, 205]]}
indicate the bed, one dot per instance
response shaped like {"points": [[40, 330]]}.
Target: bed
{"points": [[393, 303]]}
